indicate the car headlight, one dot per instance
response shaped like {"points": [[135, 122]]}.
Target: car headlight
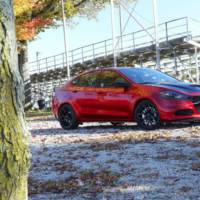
{"points": [[173, 95]]}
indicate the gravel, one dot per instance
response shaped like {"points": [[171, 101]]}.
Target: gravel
{"points": [[99, 161]]}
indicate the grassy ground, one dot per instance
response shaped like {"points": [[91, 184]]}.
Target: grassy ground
{"points": [[38, 113]]}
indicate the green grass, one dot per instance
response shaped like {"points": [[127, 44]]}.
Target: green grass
{"points": [[33, 113]]}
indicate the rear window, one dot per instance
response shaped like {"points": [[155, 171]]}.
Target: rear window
{"points": [[87, 80]]}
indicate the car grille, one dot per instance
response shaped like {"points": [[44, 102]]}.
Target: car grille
{"points": [[196, 101]]}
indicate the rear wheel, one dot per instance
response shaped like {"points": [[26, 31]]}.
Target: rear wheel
{"points": [[147, 116], [67, 117]]}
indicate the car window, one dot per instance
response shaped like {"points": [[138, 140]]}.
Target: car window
{"points": [[107, 79], [146, 75], [86, 80]]}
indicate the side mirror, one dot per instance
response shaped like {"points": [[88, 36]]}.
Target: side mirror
{"points": [[122, 84]]}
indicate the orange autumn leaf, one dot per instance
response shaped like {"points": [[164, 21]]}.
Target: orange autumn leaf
{"points": [[28, 25], [28, 29]]}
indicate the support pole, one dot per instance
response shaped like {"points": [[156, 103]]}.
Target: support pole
{"points": [[120, 26], [175, 62], [113, 33], [65, 39], [37, 60], [196, 45], [155, 13], [197, 66]]}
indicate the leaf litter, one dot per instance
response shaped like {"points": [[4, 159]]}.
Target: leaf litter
{"points": [[99, 161]]}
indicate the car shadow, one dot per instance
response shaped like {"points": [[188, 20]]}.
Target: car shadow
{"points": [[90, 129], [179, 125], [105, 128]]}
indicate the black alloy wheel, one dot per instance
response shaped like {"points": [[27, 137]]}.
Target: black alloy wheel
{"points": [[147, 116], [67, 118]]}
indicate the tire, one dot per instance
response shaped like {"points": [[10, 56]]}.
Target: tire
{"points": [[67, 117], [147, 116], [117, 123]]}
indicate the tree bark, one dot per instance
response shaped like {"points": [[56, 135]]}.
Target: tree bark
{"points": [[24, 71], [14, 156]]}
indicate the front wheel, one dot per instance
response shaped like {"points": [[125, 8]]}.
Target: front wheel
{"points": [[67, 117], [147, 116]]}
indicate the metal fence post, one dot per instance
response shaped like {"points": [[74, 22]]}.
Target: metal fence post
{"points": [[187, 26], [133, 40], [93, 51], [105, 46], [46, 62], [175, 62], [39, 66], [63, 60], [166, 31], [72, 53], [121, 43], [82, 53], [197, 65], [54, 62]]}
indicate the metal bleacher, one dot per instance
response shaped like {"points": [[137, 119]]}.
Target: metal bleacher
{"points": [[136, 49]]}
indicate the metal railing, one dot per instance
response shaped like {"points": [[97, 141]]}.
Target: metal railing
{"points": [[186, 71], [169, 30]]}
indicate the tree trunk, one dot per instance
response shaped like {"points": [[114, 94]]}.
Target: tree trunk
{"points": [[13, 134], [24, 71]]}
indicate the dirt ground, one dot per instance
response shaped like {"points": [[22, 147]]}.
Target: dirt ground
{"points": [[102, 162]]}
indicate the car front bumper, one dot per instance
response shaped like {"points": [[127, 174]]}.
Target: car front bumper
{"points": [[174, 110]]}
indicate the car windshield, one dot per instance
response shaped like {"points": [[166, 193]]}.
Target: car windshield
{"points": [[147, 76]]}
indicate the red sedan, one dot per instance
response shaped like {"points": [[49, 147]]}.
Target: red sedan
{"points": [[125, 94]]}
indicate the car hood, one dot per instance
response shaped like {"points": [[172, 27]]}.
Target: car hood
{"points": [[181, 87]]}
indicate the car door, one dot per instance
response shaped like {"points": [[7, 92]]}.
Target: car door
{"points": [[114, 102], [84, 95]]}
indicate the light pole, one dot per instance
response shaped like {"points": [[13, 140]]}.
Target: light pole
{"points": [[65, 39], [120, 26], [113, 33], [155, 13]]}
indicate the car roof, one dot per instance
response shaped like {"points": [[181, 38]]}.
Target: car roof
{"points": [[117, 69], [110, 68]]}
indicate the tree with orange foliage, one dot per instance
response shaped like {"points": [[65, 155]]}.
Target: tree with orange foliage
{"points": [[33, 16]]}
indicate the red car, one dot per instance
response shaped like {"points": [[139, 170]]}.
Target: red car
{"points": [[125, 94]]}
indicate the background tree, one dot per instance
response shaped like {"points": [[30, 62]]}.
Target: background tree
{"points": [[33, 16], [13, 134]]}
